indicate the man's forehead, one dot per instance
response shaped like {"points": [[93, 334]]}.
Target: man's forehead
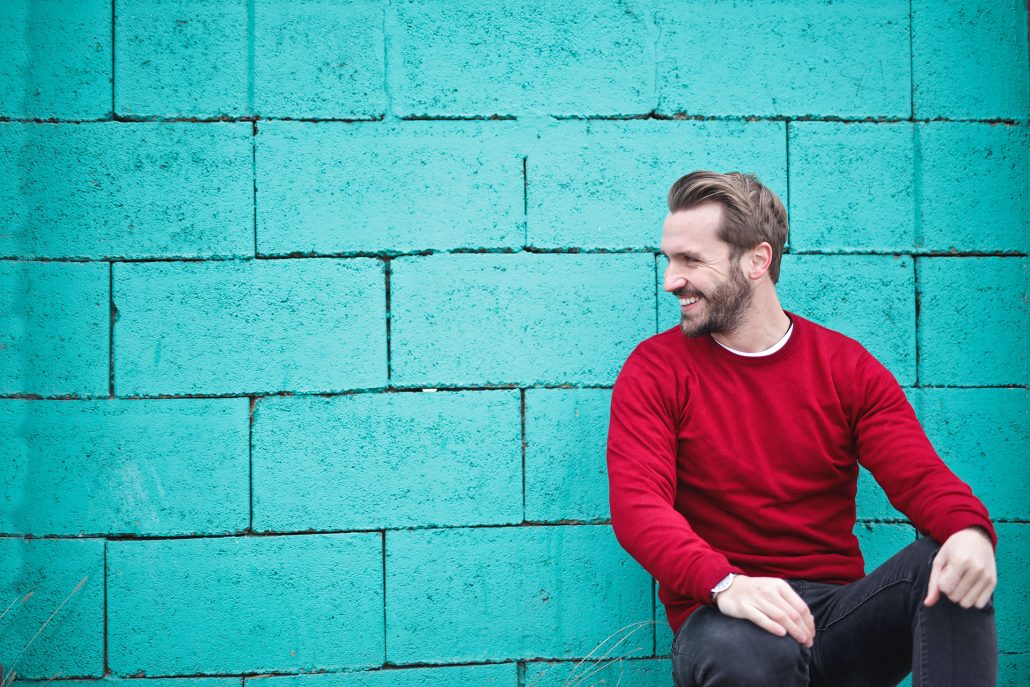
{"points": [[696, 227]]}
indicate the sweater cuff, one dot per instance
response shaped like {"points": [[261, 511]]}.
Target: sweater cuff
{"points": [[710, 576], [956, 522]]}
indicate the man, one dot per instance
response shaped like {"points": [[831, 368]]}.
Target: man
{"points": [[733, 454]]}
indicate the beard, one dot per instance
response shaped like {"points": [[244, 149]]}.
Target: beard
{"points": [[725, 308]]}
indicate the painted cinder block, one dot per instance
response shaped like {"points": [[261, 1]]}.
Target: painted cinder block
{"points": [[881, 540], [604, 184], [566, 437], [257, 326], [132, 190], [38, 577], [526, 318], [181, 58], [974, 186], [319, 58], [623, 667], [368, 461], [339, 187], [973, 321], [245, 604], [55, 59], [800, 57], [969, 59], [1013, 669], [984, 437], [851, 187], [870, 298], [498, 593], [467, 57], [1012, 597], [114, 681], [156, 467], [662, 629], [490, 675], [54, 328]]}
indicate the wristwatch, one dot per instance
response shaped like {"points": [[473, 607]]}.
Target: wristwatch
{"points": [[722, 586]]}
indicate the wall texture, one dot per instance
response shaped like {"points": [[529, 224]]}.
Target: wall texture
{"points": [[311, 310]]}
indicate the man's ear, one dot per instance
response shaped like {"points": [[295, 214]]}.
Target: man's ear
{"points": [[760, 257]]}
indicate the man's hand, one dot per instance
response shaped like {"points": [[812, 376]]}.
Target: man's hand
{"points": [[770, 603], [964, 569]]}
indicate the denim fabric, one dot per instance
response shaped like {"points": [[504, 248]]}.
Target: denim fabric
{"points": [[872, 632]]}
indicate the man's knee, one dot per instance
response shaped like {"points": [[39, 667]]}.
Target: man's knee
{"points": [[731, 651]]}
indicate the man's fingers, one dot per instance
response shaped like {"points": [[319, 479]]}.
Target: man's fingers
{"points": [[964, 582], [968, 600], [765, 622], [985, 595], [933, 590], [785, 616], [799, 605]]}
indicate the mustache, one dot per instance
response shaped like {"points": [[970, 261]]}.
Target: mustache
{"points": [[687, 294]]}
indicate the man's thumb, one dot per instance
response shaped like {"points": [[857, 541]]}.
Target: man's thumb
{"points": [[933, 590]]}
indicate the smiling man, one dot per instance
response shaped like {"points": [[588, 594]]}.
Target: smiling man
{"points": [[733, 453]]}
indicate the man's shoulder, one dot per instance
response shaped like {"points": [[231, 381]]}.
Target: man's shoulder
{"points": [[830, 339], [666, 345]]}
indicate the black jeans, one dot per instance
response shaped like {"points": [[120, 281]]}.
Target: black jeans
{"points": [[871, 632]]}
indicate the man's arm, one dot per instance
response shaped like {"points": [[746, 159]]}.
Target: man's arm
{"points": [[642, 489], [641, 460], [893, 446]]}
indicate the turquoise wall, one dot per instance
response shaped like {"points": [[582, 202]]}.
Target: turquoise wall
{"points": [[242, 243]]}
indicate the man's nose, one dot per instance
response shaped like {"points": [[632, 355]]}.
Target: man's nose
{"points": [[673, 282]]}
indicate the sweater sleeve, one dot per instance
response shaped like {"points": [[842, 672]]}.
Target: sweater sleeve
{"points": [[641, 460], [893, 446]]}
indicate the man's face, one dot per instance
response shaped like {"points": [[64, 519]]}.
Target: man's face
{"points": [[709, 283]]}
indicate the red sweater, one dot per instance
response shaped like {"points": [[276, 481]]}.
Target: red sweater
{"points": [[721, 463]]}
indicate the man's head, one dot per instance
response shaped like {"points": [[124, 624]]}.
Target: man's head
{"points": [[724, 237]]}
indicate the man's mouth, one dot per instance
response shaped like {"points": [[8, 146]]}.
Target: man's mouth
{"points": [[689, 301]]}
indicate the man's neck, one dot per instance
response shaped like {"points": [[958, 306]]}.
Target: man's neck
{"points": [[763, 326]]}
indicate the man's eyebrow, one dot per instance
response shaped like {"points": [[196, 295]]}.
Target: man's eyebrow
{"points": [[686, 254]]}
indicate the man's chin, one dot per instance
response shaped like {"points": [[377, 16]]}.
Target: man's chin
{"points": [[693, 331]]}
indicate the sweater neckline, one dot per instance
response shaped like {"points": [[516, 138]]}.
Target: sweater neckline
{"points": [[748, 360]]}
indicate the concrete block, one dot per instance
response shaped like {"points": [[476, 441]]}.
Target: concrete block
{"points": [[984, 437], [54, 328], [55, 61], [235, 327], [331, 187], [662, 629], [517, 319], [499, 593], [973, 321], [566, 439], [1012, 597], [368, 461], [245, 604], [319, 59], [41, 576], [156, 467], [181, 58], [126, 190], [489, 675], [969, 59], [604, 184], [845, 190], [796, 58], [880, 540], [974, 187], [466, 58], [622, 667]]}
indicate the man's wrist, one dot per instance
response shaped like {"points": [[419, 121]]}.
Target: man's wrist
{"points": [[722, 586]]}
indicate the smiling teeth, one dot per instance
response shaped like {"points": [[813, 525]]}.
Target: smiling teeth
{"points": [[688, 301]]}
